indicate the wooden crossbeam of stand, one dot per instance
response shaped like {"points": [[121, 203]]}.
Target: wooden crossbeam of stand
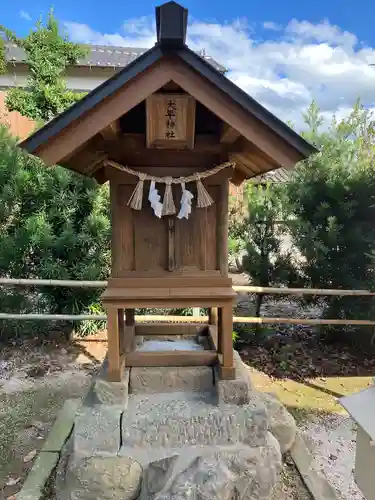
{"points": [[172, 358], [146, 329]]}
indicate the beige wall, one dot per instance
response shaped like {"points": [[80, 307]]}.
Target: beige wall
{"points": [[81, 79], [78, 78], [19, 125]]}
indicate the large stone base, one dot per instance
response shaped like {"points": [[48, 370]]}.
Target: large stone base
{"points": [[103, 392], [152, 380], [235, 391], [179, 433]]}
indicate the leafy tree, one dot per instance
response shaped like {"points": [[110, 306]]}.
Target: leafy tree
{"points": [[332, 195], [48, 54], [236, 242]]}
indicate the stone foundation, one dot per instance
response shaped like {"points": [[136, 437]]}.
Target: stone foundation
{"points": [[235, 391], [177, 433], [154, 380], [103, 392]]}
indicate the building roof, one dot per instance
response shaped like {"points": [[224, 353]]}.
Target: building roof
{"points": [[101, 56], [280, 175]]}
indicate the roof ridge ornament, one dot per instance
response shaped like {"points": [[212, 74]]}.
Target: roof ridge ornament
{"points": [[171, 25]]}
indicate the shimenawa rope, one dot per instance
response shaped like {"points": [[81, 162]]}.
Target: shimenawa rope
{"points": [[167, 207]]}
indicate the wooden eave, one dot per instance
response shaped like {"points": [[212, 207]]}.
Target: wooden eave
{"points": [[252, 137]]}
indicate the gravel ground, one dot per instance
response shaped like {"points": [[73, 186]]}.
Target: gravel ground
{"points": [[332, 434], [333, 437], [290, 486]]}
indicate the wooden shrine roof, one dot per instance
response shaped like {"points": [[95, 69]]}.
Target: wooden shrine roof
{"points": [[260, 142]]}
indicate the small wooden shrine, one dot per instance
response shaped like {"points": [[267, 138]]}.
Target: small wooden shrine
{"points": [[169, 132]]}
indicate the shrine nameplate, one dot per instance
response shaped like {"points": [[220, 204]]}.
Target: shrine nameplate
{"points": [[170, 121]]}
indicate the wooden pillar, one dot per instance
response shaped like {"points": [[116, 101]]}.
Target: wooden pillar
{"points": [[222, 233], [114, 357], [220, 330], [121, 329], [130, 317], [225, 347], [213, 316], [129, 330]]}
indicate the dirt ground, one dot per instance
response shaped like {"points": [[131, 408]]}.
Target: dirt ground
{"points": [[35, 381]]}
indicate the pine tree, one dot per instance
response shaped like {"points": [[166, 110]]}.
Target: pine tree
{"points": [[332, 196], [263, 229]]}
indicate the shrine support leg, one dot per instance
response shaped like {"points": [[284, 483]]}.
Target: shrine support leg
{"points": [[225, 319], [121, 329], [130, 330], [113, 336], [213, 316]]}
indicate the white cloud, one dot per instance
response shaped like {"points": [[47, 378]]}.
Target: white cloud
{"points": [[304, 61], [322, 32], [134, 33], [25, 15], [269, 25]]}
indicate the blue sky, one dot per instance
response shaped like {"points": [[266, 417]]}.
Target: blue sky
{"points": [[357, 17], [283, 53]]}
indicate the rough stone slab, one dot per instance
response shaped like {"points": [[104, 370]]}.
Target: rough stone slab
{"points": [[151, 380], [97, 430], [157, 475], [313, 478], [235, 391], [62, 427], [104, 478], [176, 423], [33, 487], [218, 473], [280, 422], [103, 392]]}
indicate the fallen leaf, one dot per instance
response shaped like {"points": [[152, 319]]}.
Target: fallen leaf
{"points": [[11, 481], [29, 456]]}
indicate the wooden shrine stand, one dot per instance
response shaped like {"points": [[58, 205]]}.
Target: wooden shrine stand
{"points": [[216, 295], [168, 131], [169, 263]]}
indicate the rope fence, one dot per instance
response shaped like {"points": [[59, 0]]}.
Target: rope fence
{"points": [[194, 318]]}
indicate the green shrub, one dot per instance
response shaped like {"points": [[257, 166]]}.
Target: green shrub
{"points": [[53, 225]]}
